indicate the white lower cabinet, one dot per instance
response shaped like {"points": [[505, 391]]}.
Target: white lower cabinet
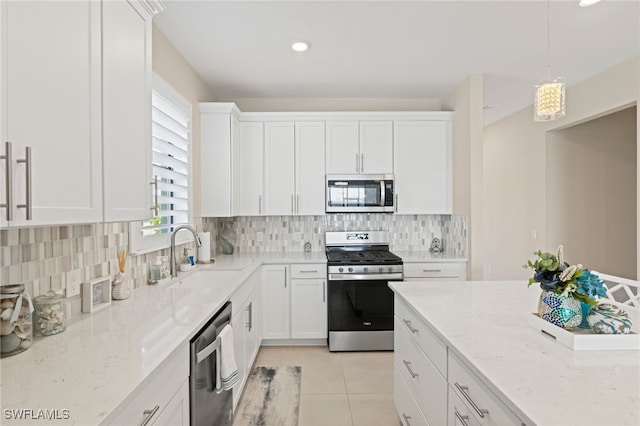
{"points": [[441, 271], [294, 302], [163, 400], [246, 329], [432, 385]]}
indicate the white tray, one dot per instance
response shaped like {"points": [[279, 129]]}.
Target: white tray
{"points": [[580, 339]]}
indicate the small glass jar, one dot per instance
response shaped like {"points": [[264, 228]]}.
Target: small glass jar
{"points": [[155, 271], [16, 329], [49, 316]]}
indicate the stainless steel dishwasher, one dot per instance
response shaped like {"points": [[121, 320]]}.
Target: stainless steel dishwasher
{"points": [[206, 406]]}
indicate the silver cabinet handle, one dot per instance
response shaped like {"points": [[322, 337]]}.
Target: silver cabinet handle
{"points": [[432, 270], [149, 414], [411, 329], [27, 161], [462, 419], [406, 419], [249, 310], [291, 203], [308, 272], [396, 203], [324, 291], [259, 204], [285, 277], [357, 163], [298, 203], [362, 163], [463, 390], [155, 207], [8, 181], [407, 364]]}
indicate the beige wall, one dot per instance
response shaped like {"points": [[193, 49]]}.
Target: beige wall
{"points": [[468, 197], [591, 192], [515, 171], [173, 68]]}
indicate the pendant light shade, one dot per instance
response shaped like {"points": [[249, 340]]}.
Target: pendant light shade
{"points": [[549, 102]]}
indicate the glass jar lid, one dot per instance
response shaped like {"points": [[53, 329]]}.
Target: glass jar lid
{"points": [[12, 289]]}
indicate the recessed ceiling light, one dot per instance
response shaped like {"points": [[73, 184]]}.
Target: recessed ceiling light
{"points": [[587, 3], [300, 46]]}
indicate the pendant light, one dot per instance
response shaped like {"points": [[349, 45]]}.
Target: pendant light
{"points": [[549, 101]]}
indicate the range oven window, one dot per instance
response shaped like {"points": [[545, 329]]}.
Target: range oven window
{"points": [[360, 305]]}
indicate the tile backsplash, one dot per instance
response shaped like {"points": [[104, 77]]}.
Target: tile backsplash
{"points": [[41, 257]]}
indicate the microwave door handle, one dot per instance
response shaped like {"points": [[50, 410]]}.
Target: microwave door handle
{"points": [[383, 194]]}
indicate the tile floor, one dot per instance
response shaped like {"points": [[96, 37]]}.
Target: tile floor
{"points": [[339, 388]]}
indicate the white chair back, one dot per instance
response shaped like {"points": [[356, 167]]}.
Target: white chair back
{"points": [[621, 291]]}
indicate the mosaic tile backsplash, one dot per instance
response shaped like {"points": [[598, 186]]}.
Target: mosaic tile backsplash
{"points": [[41, 257]]}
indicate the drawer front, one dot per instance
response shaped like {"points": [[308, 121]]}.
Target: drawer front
{"points": [[443, 270], [459, 414], [430, 344], [419, 373], [480, 401], [406, 405], [309, 270], [243, 292]]}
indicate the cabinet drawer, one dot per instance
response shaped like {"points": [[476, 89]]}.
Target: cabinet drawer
{"points": [[489, 410], [459, 413], [443, 270], [427, 340], [157, 392], [309, 270], [421, 376], [406, 405]]}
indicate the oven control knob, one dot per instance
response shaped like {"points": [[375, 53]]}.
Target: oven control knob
{"points": [[350, 269], [366, 269], [381, 269], [340, 269], [390, 269]]}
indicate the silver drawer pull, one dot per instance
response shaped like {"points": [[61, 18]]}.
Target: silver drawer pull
{"points": [[411, 329], [28, 201], [156, 203], [462, 419], [463, 390], [308, 272], [149, 415], [406, 419], [407, 364], [432, 270]]}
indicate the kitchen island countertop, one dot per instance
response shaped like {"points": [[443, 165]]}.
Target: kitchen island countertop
{"points": [[485, 323]]}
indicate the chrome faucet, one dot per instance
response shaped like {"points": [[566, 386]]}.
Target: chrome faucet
{"points": [[172, 258]]}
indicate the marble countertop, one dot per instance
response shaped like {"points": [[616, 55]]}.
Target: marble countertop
{"points": [[101, 358], [427, 256], [543, 382]]}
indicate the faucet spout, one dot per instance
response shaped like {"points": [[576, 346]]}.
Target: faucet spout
{"points": [[173, 263]]}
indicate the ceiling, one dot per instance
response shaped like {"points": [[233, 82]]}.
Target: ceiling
{"points": [[398, 49]]}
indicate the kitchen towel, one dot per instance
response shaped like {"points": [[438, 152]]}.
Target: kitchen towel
{"points": [[204, 251], [227, 372]]}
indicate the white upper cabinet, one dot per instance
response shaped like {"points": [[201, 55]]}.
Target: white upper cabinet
{"points": [[279, 149], [309, 167], [376, 147], [51, 107], [422, 163], [249, 177], [359, 147], [343, 154], [126, 111]]}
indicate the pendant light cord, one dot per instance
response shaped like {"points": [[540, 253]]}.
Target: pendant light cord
{"points": [[548, 39]]}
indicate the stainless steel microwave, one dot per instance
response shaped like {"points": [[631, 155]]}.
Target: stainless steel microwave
{"points": [[360, 193]]}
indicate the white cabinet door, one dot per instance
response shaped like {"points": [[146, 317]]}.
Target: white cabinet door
{"points": [[239, 331], [126, 111], [376, 147], [176, 412], [422, 164], [310, 180], [51, 103], [275, 302], [250, 169], [308, 308], [343, 155], [279, 169]]}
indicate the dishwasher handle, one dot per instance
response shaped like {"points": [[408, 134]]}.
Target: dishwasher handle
{"points": [[211, 348]]}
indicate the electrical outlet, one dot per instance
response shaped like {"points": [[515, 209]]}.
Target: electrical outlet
{"points": [[74, 280]]}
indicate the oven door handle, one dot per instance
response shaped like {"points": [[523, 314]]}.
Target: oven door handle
{"points": [[203, 354], [369, 277]]}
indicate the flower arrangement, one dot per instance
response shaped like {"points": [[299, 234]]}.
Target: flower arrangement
{"points": [[555, 275]]}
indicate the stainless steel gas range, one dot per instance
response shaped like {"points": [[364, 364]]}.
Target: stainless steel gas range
{"points": [[360, 305]]}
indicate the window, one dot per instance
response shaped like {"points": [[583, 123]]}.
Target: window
{"points": [[171, 160]]}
